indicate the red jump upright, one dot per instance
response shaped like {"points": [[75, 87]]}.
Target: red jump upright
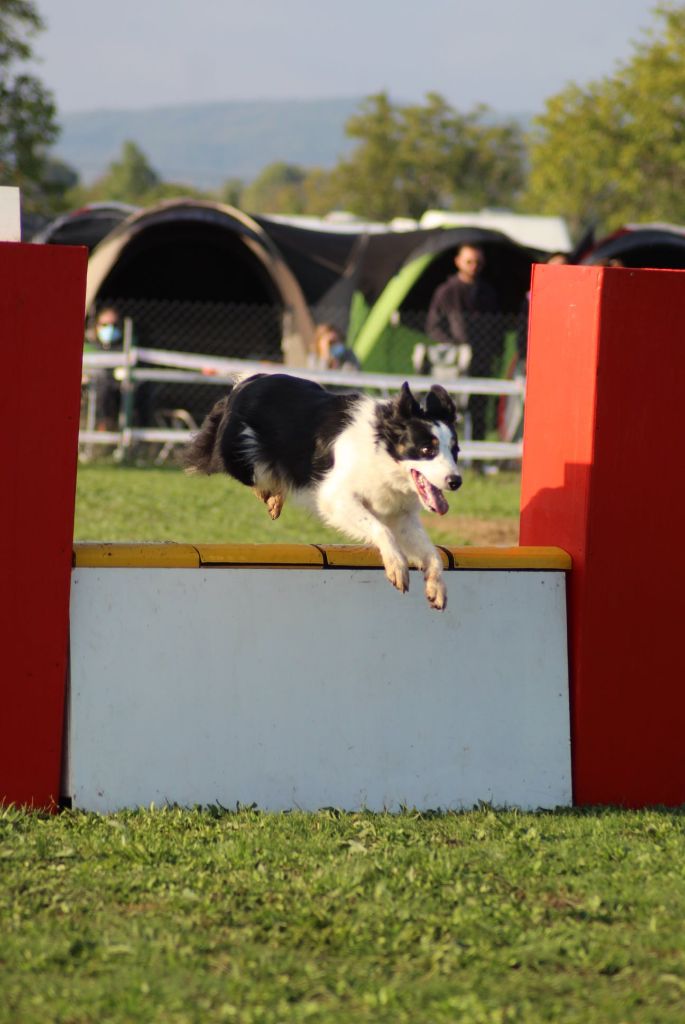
{"points": [[42, 300], [603, 477]]}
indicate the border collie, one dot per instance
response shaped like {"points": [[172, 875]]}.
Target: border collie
{"points": [[366, 466]]}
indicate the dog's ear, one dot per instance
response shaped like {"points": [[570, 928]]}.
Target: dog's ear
{"points": [[440, 406], [406, 404]]}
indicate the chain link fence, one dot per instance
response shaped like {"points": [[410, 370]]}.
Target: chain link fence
{"points": [[496, 348], [494, 344], [232, 330]]}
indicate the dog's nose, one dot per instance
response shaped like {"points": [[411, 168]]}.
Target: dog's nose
{"points": [[454, 482]]}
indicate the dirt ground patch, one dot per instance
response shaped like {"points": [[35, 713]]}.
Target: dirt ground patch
{"points": [[459, 530]]}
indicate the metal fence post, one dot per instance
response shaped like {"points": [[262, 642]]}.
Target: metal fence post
{"points": [[127, 390]]}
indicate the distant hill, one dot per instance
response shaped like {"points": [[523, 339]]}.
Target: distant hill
{"points": [[204, 144]]}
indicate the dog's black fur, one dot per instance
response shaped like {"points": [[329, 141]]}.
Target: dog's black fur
{"points": [[365, 465]]}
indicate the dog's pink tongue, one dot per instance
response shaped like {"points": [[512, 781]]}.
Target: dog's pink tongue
{"points": [[432, 498], [437, 499]]}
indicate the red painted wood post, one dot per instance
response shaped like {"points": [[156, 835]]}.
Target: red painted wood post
{"points": [[42, 295], [603, 477]]}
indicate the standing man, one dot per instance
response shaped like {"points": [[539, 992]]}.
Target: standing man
{"points": [[456, 318]]}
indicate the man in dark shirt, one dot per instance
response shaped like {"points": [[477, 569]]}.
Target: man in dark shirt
{"points": [[455, 317]]}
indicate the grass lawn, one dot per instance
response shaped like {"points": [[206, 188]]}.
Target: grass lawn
{"points": [[206, 915], [144, 503], [482, 917]]}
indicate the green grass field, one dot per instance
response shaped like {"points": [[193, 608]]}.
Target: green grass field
{"points": [[207, 915], [483, 917], [160, 504]]}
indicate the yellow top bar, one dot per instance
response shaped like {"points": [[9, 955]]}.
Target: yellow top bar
{"points": [[260, 554], [359, 556], [136, 556], [356, 556], [189, 556], [510, 558]]}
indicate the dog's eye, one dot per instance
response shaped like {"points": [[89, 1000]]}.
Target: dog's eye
{"points": [[427, 449]]}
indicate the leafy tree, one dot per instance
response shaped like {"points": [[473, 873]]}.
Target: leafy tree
{"points": [[614, 151], [279, 188], [411, 158], [27, 111], [494, 169], [59, 182], [129, 179], [319, 192], [368, 181], [132, 179], [231, 192], [289, 189], [173, 190]]}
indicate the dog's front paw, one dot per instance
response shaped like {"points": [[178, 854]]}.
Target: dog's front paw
{"points": [[398, 574], [436, 592]]}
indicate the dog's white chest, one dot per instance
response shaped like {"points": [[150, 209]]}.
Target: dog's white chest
{"points": [[387, 500]]}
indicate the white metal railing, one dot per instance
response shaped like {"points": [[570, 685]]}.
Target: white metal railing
{"points": [[182, 367]]}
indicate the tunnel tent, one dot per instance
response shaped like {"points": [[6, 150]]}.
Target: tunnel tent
{"points": [[318, 257], [202, 262], [199, 277], [542, 232], [395, 320], [655, 246], [86, 226], [507, 264], [321, 256], [321, 251], [343, 270]]}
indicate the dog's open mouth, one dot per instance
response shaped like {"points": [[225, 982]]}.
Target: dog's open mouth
{"points": [[431, 497]]}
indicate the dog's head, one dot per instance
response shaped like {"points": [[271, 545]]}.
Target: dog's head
{"points": [[423, 440]]}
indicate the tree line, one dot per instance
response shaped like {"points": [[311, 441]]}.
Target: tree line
{"points": [[602, 154]]}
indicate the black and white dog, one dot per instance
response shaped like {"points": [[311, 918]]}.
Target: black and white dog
{"points": [[364, 465]]}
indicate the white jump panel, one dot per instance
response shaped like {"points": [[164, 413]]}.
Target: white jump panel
{"points": [[293, 688], [10, 214]]}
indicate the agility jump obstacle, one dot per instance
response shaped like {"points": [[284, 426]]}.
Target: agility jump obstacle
{"points": [[294, 675]]}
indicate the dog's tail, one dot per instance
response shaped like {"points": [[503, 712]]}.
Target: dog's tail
{"points": [[201, 455]]}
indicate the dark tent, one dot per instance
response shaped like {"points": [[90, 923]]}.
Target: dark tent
{"points": [[395, 323], [333, 267], [86, 226], [661, 246], [317, 258], [186, 269], [200, 277], [507, 265]]}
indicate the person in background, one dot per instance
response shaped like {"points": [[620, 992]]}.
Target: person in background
{"points": [[555, 258], [105, 335], [558, 257], [613, 262], [109, 331], [330, 351], [457, 318]]}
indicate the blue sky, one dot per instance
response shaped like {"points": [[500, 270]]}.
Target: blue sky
{"points": [[510, 54]]}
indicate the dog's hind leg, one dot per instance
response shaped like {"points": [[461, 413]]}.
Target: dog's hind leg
{"points": [[274, 502]]}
